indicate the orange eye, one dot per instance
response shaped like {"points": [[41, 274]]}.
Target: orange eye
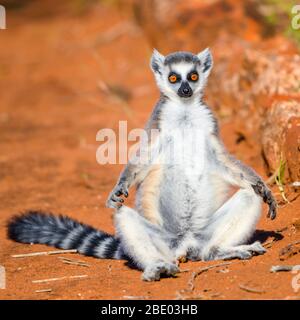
{"points": [[172, 78], [194, 77]]}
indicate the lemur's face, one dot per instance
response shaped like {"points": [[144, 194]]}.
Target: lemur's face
{"points": [[181, 75], [182, 78]]}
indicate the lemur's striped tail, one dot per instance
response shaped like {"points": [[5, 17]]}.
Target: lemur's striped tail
{"points": [[64, 233]]}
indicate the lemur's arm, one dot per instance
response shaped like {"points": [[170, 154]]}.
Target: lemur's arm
{"points": [[130, 176], [238, 174], [135, 172]]}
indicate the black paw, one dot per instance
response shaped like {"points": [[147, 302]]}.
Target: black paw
{"points": [[261, 189], [115, 199], [272, 209]]}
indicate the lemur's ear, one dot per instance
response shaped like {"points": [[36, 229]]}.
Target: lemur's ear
{"points": [[206, 60], [157, 61]]}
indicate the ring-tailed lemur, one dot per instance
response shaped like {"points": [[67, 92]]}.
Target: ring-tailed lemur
{"points": [[181, 211]]}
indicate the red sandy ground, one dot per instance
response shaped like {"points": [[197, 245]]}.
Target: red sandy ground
{"points": [[51, 109]]}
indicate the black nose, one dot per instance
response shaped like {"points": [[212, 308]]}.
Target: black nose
{"points": [[185, 90]]}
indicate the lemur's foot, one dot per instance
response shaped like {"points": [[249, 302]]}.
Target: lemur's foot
{"points": [[247, 252], [257, 248], [153, 272], [250, 250], [115, 199], [242, 252]]}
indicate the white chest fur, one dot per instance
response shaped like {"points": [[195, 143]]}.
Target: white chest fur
{"points": [[184, 131], [190, 115]]}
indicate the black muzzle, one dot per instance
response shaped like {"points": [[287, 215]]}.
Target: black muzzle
{"points": [[185, 91]]}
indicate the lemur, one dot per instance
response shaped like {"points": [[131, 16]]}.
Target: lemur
{"points": [[182, 211]]}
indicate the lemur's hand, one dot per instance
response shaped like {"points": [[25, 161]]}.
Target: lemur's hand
{"points": [[272, 209], [114, 199], [262, 190]]}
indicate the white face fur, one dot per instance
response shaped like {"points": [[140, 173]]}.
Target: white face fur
{"points": [[181, 75]]}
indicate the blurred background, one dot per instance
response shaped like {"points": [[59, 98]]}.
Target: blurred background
{"points": [[70, 68]]}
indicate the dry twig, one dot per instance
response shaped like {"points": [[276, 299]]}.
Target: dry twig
{"points": [[74, 262], [61, 278], [195, 274], [135, 297], [285, 268], [43, 253], [43, 290], [252, 290]]}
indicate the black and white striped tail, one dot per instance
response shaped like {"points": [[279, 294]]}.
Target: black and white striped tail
{"points": [[64, 233]]}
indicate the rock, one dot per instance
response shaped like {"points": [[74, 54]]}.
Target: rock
{"points": [[292, 147], [259, 89], [277, 131]]}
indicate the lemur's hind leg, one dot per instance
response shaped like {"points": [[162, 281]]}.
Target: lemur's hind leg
{"points": [[231, 226], [147, 244]]}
